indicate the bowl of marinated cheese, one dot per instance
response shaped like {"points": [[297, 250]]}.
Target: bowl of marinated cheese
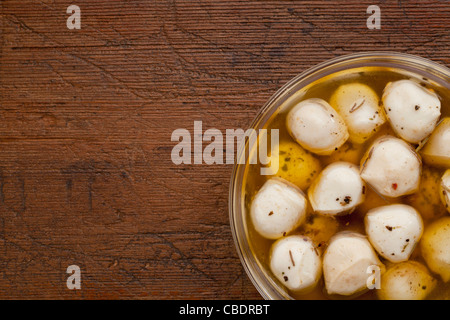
{"points": [[357, 203]]}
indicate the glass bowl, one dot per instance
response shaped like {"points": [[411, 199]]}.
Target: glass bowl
{"points": [[260, 277]]}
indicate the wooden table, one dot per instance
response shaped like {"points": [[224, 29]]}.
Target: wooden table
{"points": [[86, 176]]}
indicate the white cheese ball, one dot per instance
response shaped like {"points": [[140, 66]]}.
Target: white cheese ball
{"points": [[435, 247], [436, 151], [445, 189], [406, 281], [316, 126], [278, 208], [338, 189], [295, 262], [412, 110], [394, 230], [347, 264], [391, 167], [359, 106]]}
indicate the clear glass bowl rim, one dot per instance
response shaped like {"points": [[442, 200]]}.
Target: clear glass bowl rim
{"points": [[268, 289]]}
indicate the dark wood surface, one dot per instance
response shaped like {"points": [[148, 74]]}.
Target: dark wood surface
{"points": [[86, 176]]}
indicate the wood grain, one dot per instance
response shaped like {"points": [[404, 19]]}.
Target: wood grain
{"points": [[86, 118]]}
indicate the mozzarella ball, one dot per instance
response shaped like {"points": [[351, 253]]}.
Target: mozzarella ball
{"points": [[435, 247], [295, 263], [412, 110], [347, 264], [295, 164], [316, 126], [277, 208], [394, 230], [406, 281], [436, 151], [445, 189], [359, 106], [338, 189], [391, 167]]}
